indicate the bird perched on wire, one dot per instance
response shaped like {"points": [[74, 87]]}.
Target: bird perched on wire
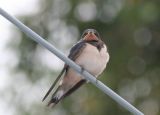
{"points": [[91, 54]]}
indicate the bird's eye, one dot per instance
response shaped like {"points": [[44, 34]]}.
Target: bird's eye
{"points": [[84, 35], [97, 35]]}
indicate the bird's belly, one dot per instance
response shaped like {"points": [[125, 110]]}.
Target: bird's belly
{"points": [[94, 66], [92, 60]]}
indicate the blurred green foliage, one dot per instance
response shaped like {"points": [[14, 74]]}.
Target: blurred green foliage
{"points": [[131, 31]]}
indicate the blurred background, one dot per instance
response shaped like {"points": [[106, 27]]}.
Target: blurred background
{"points": [[130, 28]]}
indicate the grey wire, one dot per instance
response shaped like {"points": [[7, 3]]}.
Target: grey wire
{"points": [[31, 34]]}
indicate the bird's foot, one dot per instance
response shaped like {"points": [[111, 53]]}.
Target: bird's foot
{"points": [[82, 69], [96, 80]]}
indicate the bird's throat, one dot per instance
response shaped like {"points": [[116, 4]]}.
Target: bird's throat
{"points": [[90, 37]]}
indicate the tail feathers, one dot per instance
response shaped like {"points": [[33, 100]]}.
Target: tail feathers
{"points": [[60, 94], [53, 102], [55, 99]]}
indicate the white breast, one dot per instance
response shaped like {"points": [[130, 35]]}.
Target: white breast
{"points": [[93, 60]]}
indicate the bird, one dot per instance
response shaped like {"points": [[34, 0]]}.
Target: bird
{"points": [[91, 54]]}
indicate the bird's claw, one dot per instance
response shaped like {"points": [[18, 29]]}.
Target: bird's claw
{"points": [[96, 80], [82, 69]]}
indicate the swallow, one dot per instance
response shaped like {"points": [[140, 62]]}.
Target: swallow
{"points": [[91, 54]]}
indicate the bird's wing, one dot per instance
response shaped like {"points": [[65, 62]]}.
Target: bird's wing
{"points": [[76, 50], [74, 53]]}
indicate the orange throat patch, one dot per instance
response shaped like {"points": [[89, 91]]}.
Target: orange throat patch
{"points": [[90, 37]]}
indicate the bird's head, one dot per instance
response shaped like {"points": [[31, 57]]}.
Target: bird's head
{"points": [[90, 35]]}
